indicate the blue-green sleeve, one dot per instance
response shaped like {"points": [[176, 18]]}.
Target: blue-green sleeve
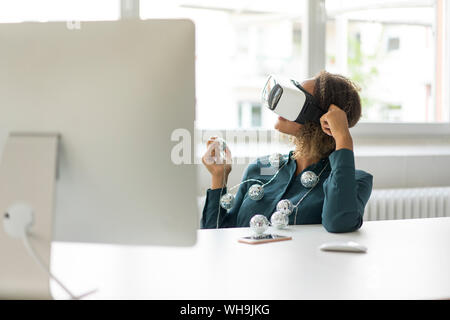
{"points": [[347, 192], [213, 217]]}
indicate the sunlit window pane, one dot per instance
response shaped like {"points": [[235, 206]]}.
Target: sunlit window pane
{"points": [[58, 10], [239, 43], [389, 49]]}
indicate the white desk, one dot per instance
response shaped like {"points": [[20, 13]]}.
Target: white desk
{"points": [[408, 259]]}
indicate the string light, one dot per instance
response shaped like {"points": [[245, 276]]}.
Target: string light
{"points": [[280, 219]]}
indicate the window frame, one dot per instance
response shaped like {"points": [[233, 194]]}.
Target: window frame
{"points": [[315, 59], [411, 129], [129, 9]]}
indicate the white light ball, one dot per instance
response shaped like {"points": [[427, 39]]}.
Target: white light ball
{"points": [[256, 192], [227, 201], [259, 224], [285, 206], [222, 143], [275, 160], [309, 179], [220, 148], [279, 220]]}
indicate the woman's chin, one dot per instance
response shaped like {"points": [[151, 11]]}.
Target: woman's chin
{"points": [[287, 127], [277, 126], [280, 128]]}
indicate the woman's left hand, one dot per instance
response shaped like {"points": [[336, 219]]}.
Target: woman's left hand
{"points": [[335, 123]]}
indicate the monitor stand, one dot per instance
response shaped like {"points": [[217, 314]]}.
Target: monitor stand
{"points": [[28, 173]]}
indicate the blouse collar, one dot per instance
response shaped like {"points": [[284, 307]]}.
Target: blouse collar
{"points": [[315, 167]]}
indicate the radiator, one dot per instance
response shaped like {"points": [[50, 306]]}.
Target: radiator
{"points": [[396, 204]]}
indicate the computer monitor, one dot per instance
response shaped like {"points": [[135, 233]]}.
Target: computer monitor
{"points": [[114, 92]]}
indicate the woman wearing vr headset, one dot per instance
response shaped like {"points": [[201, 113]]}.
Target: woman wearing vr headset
{"points": [[317, 183]]}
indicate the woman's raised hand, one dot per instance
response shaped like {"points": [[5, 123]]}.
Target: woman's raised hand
{"points": [[335, 123], [218, 167]]}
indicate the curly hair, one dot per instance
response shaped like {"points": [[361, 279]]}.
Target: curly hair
{"points": [[311, 141]]}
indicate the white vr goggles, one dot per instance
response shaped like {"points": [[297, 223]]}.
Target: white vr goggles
{"points": [[290, 100]]}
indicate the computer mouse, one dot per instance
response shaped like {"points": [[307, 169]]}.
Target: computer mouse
{"points": [[343, 246]]}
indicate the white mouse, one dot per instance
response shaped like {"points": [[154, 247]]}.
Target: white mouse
{"points": [[343, 246]]}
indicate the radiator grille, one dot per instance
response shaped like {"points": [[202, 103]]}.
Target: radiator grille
{"points": [[396, 204]]}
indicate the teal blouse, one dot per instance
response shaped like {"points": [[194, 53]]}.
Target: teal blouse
{"points": [[337, 202]]}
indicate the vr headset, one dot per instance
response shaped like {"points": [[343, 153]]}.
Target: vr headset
{"points": [[290, 100]]}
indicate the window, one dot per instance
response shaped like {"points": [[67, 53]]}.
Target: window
{"points": [[393, 50], [58, 10], [393, 44], [239, 44], [250, 115], [396, 50]]}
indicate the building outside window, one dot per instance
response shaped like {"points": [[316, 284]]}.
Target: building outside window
{"points": [[389, 48], [394, 50]]}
